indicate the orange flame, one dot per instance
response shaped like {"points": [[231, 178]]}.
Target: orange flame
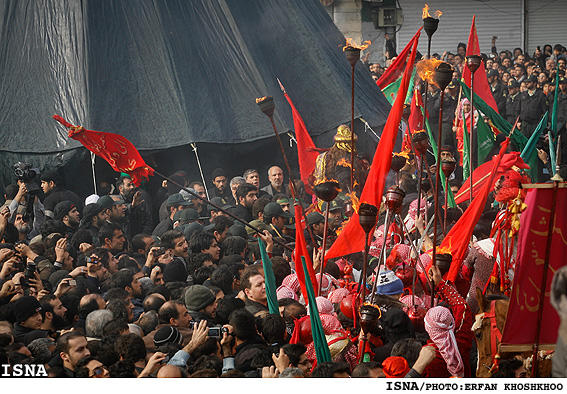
{"points": [[445, 249], [326, 180], [259, 100], [405, 154], [426, 70], [350, 43], [344, 163], [425, 13], [355, 201]]}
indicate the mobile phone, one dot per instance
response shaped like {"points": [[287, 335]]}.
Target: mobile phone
{"points": [[72, 282]]}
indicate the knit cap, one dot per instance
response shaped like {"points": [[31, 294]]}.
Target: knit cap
{"points": [[167, 334], [198, 297], [389, 283]]}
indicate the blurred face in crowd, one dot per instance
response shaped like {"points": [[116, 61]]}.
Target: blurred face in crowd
{"points": [[506, 62], [523, 87], [275, 176], [47, 186], [117, 211], [257, 290], [97, 369], [253, 178], [73, 217], [374, 68], [220, 183], [181, 248], [550, 65], [505, 77], [127, 187], [561, 63], [521, 59], [248, 201], [233, 188]]}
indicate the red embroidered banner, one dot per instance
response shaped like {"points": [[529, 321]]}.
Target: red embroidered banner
{"points": [[520, 328], [115, 149]]}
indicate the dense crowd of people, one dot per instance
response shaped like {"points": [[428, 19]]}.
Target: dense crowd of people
{"points": [[130, 283]]}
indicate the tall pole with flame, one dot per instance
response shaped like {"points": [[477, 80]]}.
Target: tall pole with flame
{"points": [[352, 53], [473, 63], [443, 75]]}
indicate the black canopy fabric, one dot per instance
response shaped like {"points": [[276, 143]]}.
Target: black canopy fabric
{"points": [[167, 73]]}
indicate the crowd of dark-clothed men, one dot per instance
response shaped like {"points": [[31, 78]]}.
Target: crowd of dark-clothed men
{"points": [[125, 283]]}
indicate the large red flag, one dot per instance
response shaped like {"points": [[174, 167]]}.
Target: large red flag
{"points": [[481, 86], [528, 275], [481, 175], [399, 65], [415, 121], [306, 151], [301, 250], [115, 149], [351, 239], [458, 238]]}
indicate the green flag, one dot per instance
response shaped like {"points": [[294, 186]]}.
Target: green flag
{"points": [[529, 149], [319, 340], [270, 279], [451, 197], [485, 139], [466, 151], [391, 91]]}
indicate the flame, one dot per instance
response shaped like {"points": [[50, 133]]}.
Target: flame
{"points": [[425, 13], [405, 154], [355, 201], [259, 100], [445, 249], [350, 43], [325, 180], [426, 70]]}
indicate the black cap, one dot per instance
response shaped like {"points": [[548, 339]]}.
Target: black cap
{"points": [[90, 211], [107, 201], [334, 205], [512, 83], [492, 73], [167, 334], [274, 209], [62, 209], [218, 201], [218, 172], [51, 175], [25, 308], [185, 215], [315, 217], [453, 84], [562, 80], [531, 78]]}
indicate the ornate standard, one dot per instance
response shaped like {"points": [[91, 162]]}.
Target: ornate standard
{"points": [[473, 63]]}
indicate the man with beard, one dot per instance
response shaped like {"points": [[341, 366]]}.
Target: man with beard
{"points": [[175, 241], [94, 217], [138, 214], [26, 231], [201, 304], [67, 212], [199, 205], [129, 280], [276, 178], [246, 194], [54, 314], [112, 237], [220, 189]]}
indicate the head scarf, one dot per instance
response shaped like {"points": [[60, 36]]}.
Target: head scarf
{"points": [[440, 325], [337, 295]]}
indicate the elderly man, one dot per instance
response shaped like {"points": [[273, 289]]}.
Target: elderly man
{"points": [[277, 185]]}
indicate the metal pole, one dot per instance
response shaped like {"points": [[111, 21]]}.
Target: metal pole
{"points": [[382, 251], [323, 246], [352, 132], [471, 141], [194, 146]]}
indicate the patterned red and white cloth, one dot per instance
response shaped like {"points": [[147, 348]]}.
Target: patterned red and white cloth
{"points": [[440, 325], [286, 292], [337, 295]]}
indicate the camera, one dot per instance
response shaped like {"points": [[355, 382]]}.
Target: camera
{"points": [[29, 273], [217, 331], [25, 173], [159, 252]]}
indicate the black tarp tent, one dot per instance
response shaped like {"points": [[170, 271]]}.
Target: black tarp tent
{"points": [[168, 73]]}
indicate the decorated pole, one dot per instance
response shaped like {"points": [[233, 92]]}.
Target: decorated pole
{"points": [[367, 218], [473, 63], [447, 166]]}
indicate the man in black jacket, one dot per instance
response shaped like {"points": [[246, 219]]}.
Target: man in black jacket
{"points": [[533, 105], [499, 91], [51, 184]]}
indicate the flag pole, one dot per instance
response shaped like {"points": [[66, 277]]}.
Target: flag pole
{"points": [[473, 63]]}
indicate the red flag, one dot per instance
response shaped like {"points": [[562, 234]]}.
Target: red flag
{"points": [[301, 250], [399, 65], [481, 175], [306, 150], [528, 275], [115, 149], [481, 86], [415, 121], [351, 239], [458, 238]]}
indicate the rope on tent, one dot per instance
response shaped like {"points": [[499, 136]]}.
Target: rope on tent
{"points": [[93, 156], [194, 146], [367, 127], [291, 139]]}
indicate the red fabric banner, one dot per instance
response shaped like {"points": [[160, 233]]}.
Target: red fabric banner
{"points": [[351, 239], [458, 238], [399, 65], [528, 276], [301, 250], [481, 86], [415, 120], [481, 174], [306, 150], [115, 149]]}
